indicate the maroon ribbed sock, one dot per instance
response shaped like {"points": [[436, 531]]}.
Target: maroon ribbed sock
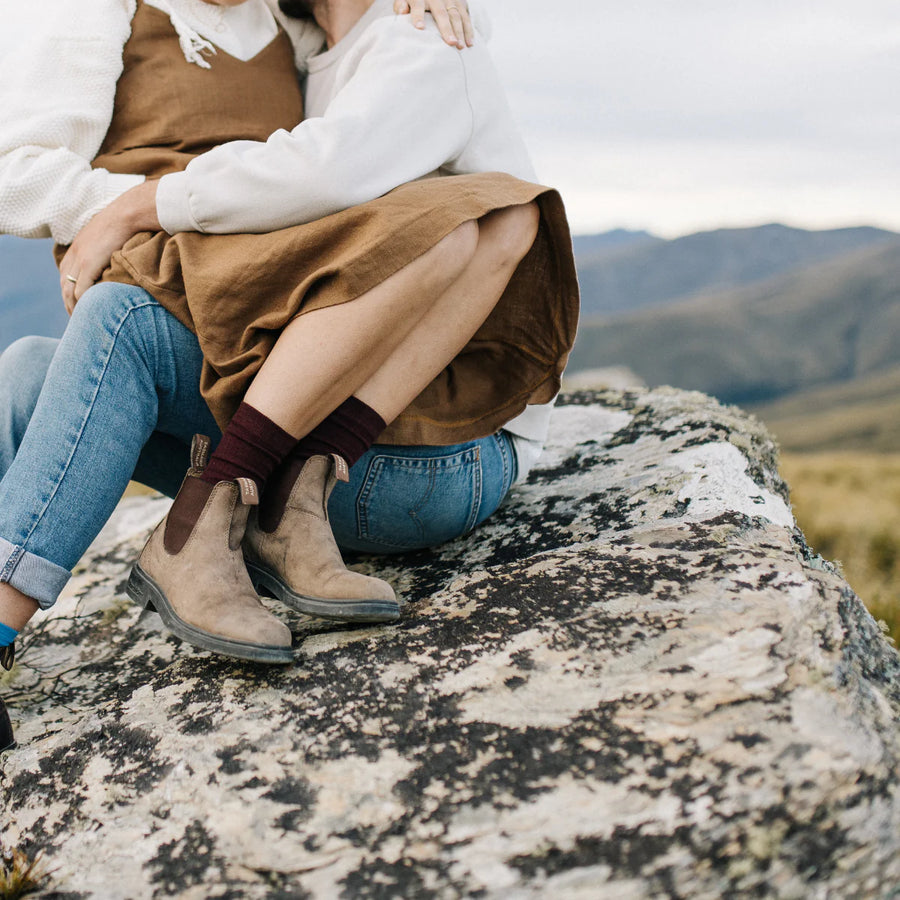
{"points": [[349, 431], [251, 447]]}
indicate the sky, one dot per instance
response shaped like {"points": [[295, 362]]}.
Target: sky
{"points": [[684, 115]]}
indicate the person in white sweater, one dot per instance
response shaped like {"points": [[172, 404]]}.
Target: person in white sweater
{"points": [[467, 270]]}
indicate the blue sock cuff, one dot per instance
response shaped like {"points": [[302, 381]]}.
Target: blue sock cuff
{"points": [[7, 635]]}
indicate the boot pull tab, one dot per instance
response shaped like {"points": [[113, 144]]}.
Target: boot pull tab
{"points": [[200, 451], [8, 656], [341, 469], [249, 492]]}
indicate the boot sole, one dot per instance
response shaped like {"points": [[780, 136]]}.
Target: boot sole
{"points": [[346, 610], [147, 594], [7, 740]]}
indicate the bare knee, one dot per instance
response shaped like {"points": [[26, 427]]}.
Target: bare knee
{"points": [[444, 263], [509, 234], [457, 249]]}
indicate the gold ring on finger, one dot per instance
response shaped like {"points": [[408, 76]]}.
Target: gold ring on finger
{"points": [[71, 279]]}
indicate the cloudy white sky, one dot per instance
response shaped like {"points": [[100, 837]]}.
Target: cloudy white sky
{"points": [[679, 115]]}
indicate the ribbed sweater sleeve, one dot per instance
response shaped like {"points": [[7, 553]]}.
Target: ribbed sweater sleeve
{"points": [[402, 112], [57, 90]]}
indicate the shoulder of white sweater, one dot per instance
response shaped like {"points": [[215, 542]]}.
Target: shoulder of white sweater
{"points": [[74, 19], [52, 34], [438, 77], [393, 49], [384, 56], [308, 39], [43, 70], [389, 23], [56, 44], [481, 21]]}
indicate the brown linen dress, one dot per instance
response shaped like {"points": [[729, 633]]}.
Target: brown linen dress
{"points": [[237, 292]]}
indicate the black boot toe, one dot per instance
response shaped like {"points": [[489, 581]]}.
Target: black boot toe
{"points": [[7, 658], [6, 733]]}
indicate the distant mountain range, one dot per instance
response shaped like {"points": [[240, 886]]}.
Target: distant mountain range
{"points": [[619, 270], [592, 248], [821, 325], [625, 271], [862, 414]]}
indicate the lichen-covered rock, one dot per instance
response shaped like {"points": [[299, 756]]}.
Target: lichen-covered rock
{"points": [[634, 681]]}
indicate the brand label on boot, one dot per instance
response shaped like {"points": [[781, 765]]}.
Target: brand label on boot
{"points": [[341, 469], [200, 451], [249, 493]]}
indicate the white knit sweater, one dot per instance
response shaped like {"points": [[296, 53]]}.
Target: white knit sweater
{"points": [[57, 88]]}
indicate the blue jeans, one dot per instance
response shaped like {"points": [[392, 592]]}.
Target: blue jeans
{"points": [[118, 398], [408, 498]]}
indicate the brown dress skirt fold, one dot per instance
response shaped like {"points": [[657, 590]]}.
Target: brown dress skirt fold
{"points": [[237, 292]]}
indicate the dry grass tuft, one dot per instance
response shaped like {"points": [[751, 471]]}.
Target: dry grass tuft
{"points": [[20, 875], [848, 505]]}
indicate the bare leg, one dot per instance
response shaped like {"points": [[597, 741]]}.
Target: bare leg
{"points": [[408, 333], [15, 608], [504, 239], [387, 345], [321, 358]]}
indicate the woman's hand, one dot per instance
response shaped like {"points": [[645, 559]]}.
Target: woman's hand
{"points": [[451, 16], [89, 254]]}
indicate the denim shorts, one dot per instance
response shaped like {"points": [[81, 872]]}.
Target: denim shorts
{"points": [[408, 498]]}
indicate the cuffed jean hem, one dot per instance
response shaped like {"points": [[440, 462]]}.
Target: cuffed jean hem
{"points": [[34, 576]]}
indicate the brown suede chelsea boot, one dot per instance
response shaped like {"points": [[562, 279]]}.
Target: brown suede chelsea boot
{"points": [[299, 562], [192, 571]]}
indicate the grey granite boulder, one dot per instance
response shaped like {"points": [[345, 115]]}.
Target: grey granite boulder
{"points": [[634, 681]]}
